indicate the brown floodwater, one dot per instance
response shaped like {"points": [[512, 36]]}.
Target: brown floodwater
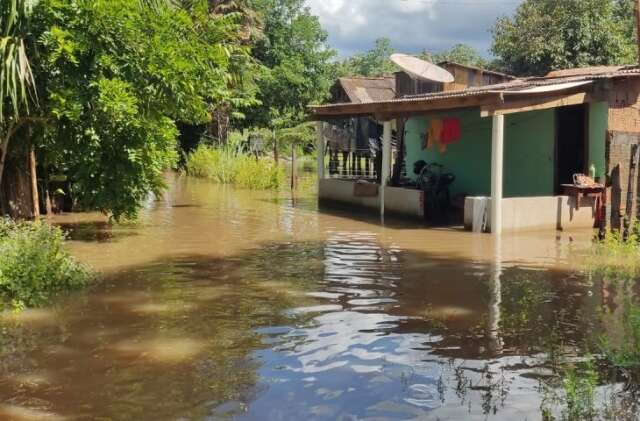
{"points": [[225, 304]]}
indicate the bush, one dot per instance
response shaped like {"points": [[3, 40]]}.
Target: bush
{"points": [[34, 265], [228, 166]]}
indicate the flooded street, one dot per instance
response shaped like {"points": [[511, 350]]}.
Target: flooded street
{"points": [[224, 304]]}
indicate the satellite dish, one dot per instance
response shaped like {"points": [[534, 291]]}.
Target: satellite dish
{"points": [[422, 69]]}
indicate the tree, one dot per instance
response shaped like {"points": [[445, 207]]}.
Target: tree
{"points": [[114, 77], [295, 62], [16, 78], [374, 62], [547, 35], [459, 53]]}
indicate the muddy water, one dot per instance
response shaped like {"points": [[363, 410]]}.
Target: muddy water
{"points": [[224, 304]]}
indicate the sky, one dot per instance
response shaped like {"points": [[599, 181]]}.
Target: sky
{"points": [[412, 25]]}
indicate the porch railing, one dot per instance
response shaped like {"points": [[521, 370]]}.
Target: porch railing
{"points": [[359, 164]]}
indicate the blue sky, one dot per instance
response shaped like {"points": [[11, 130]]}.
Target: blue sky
{"points": [[412, 25]]}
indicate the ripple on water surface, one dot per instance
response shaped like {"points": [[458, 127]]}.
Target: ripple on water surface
{"points": [[243, 307]]}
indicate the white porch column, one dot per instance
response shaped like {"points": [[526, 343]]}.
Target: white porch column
{"points": [[386, 162], [497, 167], [320, 146]]}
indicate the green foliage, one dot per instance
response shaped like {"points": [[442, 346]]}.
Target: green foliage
{"points": [[115, 76], [459, 53], [16, 78], [295, 59], [576, 394], [374, 62], [624, 352], [302, 136], [34, 265], [229, 166], [616, 256], [547, 35]]}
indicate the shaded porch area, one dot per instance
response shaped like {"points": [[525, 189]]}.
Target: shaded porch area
{"points": [[507, 168]]}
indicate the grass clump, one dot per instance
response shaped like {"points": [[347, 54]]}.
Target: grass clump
{"points": [[34, 266], [227, 166], [617, 256]]}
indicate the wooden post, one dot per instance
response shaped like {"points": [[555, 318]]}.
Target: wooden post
{"points": [[34, 184], [386, 162], [632, 190], [320, 149], [294, 170], [497, 168], [276, 158]]}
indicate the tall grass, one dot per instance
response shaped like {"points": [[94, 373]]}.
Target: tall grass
{"points": [[617, 256], [34, 266], [231, 166]]}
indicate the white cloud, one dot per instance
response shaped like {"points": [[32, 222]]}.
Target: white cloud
{"points": [[412, 25]]}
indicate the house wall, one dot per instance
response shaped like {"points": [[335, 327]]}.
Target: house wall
{"points": [[623, 130], [397, 201], [532, 213], [529, 152]]}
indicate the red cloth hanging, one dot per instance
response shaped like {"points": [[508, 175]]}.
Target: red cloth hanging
{"points": [[451, 132]]}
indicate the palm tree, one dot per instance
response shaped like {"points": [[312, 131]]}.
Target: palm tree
{"points": [[17, 85]]}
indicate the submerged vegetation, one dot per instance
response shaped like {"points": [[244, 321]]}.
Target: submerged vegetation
{"points": [[226, 166], [572, 394], [34, 266]]}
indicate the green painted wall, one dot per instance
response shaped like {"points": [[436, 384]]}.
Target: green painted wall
{"points": [[469, 159], [598, 125], [529, 152]]}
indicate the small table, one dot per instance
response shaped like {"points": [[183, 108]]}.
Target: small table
{"points": [[597, 191]]}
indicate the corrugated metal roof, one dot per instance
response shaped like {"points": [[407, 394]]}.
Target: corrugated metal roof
{"points": [[369, 89], [479, 69], [587, 74], [586, 71]]}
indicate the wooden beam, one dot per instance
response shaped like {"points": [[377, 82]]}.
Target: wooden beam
{"points": [[320, 148], [402, 108], [533, 104], [386, 163]]}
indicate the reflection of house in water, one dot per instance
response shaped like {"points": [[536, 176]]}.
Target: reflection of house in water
{"points": [[512, 146]]}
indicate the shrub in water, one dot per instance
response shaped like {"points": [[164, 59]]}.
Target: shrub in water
{"points": [[34, 265], [227, 166]]}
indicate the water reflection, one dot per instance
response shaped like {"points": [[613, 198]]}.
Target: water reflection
{"points": [[363, 356], [235, 305]]}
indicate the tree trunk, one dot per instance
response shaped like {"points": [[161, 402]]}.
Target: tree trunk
{"points": [[16, 188], [34, 184], [4, 149], [47, 202]]}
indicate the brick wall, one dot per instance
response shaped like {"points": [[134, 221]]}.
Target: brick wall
{"points": [[624, 105], [619, 158], [624, 131]]}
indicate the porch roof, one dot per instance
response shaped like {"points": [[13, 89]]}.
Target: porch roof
{"points": [[560, 88]]}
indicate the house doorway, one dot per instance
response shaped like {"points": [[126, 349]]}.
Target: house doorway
{"points": [[571, 144]]}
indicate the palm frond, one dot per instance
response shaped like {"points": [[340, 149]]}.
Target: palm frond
{"points": [[17, 84]]}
